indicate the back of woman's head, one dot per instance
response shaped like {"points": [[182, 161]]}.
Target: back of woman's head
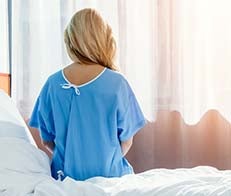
{"points": [[89, 39]]}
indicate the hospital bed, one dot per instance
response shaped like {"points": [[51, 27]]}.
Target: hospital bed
{"points": [[25, 170]]}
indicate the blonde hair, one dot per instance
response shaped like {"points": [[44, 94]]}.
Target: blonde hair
{"points": [[89, 39]]}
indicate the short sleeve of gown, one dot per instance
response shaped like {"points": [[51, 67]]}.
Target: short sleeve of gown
{"points": [[41, 117], [130, 118]]}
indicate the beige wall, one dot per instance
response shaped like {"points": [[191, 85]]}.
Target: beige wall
{"points": [[170, 143], [5, 82]]}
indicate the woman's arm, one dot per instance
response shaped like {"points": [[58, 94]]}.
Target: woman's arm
{"points": [[126, 145], [49, 146]]}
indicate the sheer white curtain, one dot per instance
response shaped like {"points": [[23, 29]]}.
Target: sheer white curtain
{"points": [[37, 48], [194, 46], [4, 37], [175, 53]]}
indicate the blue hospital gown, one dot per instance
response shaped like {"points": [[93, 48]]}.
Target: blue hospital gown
{"points": [[87, 124]]}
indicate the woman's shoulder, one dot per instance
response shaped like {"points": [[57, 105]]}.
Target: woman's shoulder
{"points": [[52, 81], [55, 76], [117, 81], [116, 75]]}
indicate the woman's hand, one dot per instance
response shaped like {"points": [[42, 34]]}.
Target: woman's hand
{"points": [[50, 145], [126, 145]]}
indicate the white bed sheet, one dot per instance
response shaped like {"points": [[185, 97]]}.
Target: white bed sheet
{"points": [[24, 170], [201, 180]]}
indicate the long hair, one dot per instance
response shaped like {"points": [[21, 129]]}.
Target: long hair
{"points": [[89, 39]]}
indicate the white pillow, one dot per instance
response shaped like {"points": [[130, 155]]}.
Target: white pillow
{"points": [[11, 122], [20, 156]]}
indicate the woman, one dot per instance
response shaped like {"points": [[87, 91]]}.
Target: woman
{"points": [[87, 113]]}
